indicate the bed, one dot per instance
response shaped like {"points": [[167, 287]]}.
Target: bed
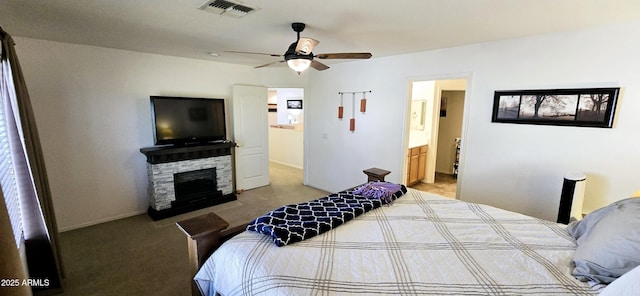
{"points": [[423, 244]]}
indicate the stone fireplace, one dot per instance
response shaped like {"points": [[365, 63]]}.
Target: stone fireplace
{"points": [[183, 179]]}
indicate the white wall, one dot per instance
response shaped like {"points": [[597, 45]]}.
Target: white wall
{"points": [[516, 167], [285, 115], [424, 91], [335, 157], [92, 110], [286, 146]]}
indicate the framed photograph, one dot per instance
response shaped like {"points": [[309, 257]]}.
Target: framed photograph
{"points": [[587, 107], [294, 104]]}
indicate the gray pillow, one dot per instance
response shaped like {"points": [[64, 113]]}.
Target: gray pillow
{"points": [[608, 242]]}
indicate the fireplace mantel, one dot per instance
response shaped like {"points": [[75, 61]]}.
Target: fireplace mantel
{"points": [[161, 154], [164, 162]]}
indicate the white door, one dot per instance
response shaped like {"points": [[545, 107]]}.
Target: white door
{"points": [[250, 129]]}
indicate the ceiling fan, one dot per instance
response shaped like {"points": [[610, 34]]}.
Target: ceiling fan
{"points": [[299, 55]]}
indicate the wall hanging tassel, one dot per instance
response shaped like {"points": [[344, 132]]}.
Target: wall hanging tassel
{"points": [[363, 107], [340, 108], [352, 122]]}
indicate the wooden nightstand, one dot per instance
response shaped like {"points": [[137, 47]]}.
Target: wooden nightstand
{"points": [[375, 174], [203, 236]]}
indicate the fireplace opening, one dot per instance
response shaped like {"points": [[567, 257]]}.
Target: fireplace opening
{"points": [[193, 186]]}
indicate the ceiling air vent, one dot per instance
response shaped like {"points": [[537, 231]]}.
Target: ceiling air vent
{"points": [[227, 7]]}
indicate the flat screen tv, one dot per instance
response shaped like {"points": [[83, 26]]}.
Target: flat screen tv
{"points": [[183, 121]]}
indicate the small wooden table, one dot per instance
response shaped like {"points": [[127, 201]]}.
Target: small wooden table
{"points": [[203, 236], [375, 174]]}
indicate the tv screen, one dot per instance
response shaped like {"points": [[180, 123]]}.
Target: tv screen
{"points": [[181, 121]]}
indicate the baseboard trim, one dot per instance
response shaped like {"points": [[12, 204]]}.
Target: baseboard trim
{"points": [[100, 221], [287, 164], [445, 172], [190, 207]]}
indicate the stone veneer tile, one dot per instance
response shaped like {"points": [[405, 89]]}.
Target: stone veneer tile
{"points": [[161, 187]]}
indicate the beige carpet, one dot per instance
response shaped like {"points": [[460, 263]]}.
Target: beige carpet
{"points": [[139, 256]]}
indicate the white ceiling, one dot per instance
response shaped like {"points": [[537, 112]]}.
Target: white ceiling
{"points": [[384, 28]]}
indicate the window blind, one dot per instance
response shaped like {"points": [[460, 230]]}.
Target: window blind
{"points": [[7, 173]]}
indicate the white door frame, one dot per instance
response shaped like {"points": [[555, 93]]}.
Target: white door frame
{"points": [[433, 139]]}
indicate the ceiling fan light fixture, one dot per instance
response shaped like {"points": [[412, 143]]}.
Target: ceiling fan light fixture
{"points": [[299, 64], [299, 56]]}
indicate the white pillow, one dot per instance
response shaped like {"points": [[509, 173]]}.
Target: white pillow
{"points": [[626, 285]]}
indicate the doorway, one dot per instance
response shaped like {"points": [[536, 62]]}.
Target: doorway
{"points": [[435, 126], [267, 128], [286, 126]]}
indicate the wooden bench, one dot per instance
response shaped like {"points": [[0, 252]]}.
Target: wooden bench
{"points": [[205, 234]]}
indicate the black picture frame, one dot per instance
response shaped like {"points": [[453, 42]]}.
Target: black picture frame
{"points": [[583, 107], [294, 104]]}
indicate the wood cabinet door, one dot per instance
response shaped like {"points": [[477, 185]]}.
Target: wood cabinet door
{"points": [[414, 166], [413, 169], [422, 163]]}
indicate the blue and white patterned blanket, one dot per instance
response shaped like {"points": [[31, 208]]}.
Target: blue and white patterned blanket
{"points": [[297, 222]]}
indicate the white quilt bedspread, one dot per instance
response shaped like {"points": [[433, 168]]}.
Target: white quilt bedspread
{"points": [[422, 244]]}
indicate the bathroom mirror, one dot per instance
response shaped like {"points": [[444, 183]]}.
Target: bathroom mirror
{"points": [[417, 114]]}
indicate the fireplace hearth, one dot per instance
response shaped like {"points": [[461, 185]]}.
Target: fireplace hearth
{"points": [[184, 179]]}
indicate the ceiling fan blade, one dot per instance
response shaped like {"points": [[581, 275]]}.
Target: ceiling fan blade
{"points": [[269, 64], [318, 65], [260, 53], [344, 55], [306, 45]]}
